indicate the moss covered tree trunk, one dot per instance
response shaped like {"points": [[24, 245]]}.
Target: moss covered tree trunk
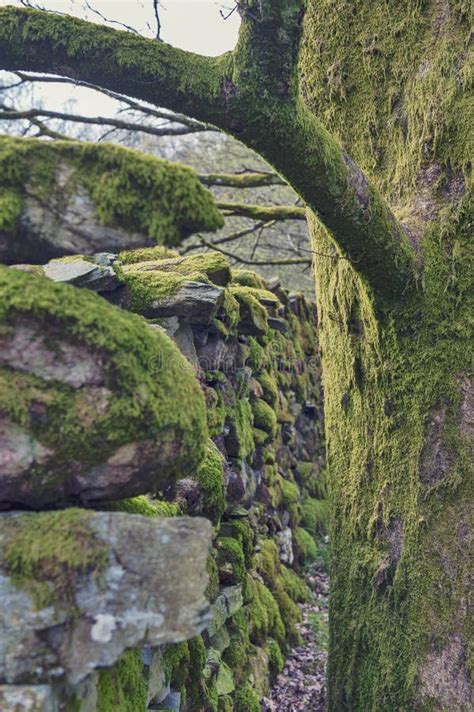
{"points": [[363, 107]]}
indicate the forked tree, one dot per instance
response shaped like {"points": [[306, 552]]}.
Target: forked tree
{"points": [[363, 107]]}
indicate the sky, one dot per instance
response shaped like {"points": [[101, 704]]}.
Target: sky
{"points": [[194, 25]]}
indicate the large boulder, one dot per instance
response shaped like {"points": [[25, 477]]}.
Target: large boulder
{"points": [[94, 402], [65, 197], [78, 588]]}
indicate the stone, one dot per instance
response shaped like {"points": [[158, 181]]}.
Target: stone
{"points": [[27, 698], [90, 399], [156, 674], [172, 703], [220, 640], [146, 587], [195, 301], [234, 599], [82, 273], [224, 680], [285, 546], [280, 325]]}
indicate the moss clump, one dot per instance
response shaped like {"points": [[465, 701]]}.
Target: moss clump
{"points": [[267, 562], [247, 278], [264, 417], [250, 306], [241, 530], [151, 281], [307, 547], [264, 618], [145, 403], [145, 254], [11, 205], [144, 506], [241, 418], [269, 387], [314, 515], [210, 475], [45, 553], [290, 493], [293, 585], [231, 563], [246, 700], [163, 200], [123, 687], [276, 661]]}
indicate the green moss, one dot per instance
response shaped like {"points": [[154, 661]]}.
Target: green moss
{"points": [[247, 278], [290, 615], [293, 585], [144, 506], [145, 254], [241, 530], [267, 562], [144, 403], [264, 417], [241, 417], [264, 618], [269, 386], [210, 476], [290, 493], [212, 590], [257, 357], [314, 515], [11, 205], [231, 562], [163, 200], [123, 687], [246, 699], [276, 660], [307, 547], [249, 301], [45, 553]]}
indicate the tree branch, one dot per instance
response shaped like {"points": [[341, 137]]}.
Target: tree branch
{"points": [[253, 93], [263, 212], [131, 103], [11, 114], [116, 60], [255, 263], [241, 180]]}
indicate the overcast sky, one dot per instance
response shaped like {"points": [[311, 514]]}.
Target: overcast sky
{"points": [[194, 25]]}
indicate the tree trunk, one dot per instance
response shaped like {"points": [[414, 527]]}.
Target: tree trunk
{"points": [[316, 86], [399, 401]]}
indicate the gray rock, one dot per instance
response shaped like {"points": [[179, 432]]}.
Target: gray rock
{"points": [[195, 301], [278, 324], [225, 606], [148, 589], [27, 698], [82, 273], [285, 546]]}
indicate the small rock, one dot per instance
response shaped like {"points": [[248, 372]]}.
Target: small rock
{"points": [[82, 273]]}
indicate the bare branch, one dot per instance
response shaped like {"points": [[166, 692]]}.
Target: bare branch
{"points": [[131, 103], [255, 263], [156, 11], [11, 114]]}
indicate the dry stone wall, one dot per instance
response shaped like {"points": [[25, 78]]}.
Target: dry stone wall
{"points": [[228, 428]]}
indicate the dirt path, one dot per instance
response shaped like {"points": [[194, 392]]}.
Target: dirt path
{"points": [[301, 687]]}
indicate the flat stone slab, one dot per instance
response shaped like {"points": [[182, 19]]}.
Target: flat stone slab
{"points": [[142, 583]]}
